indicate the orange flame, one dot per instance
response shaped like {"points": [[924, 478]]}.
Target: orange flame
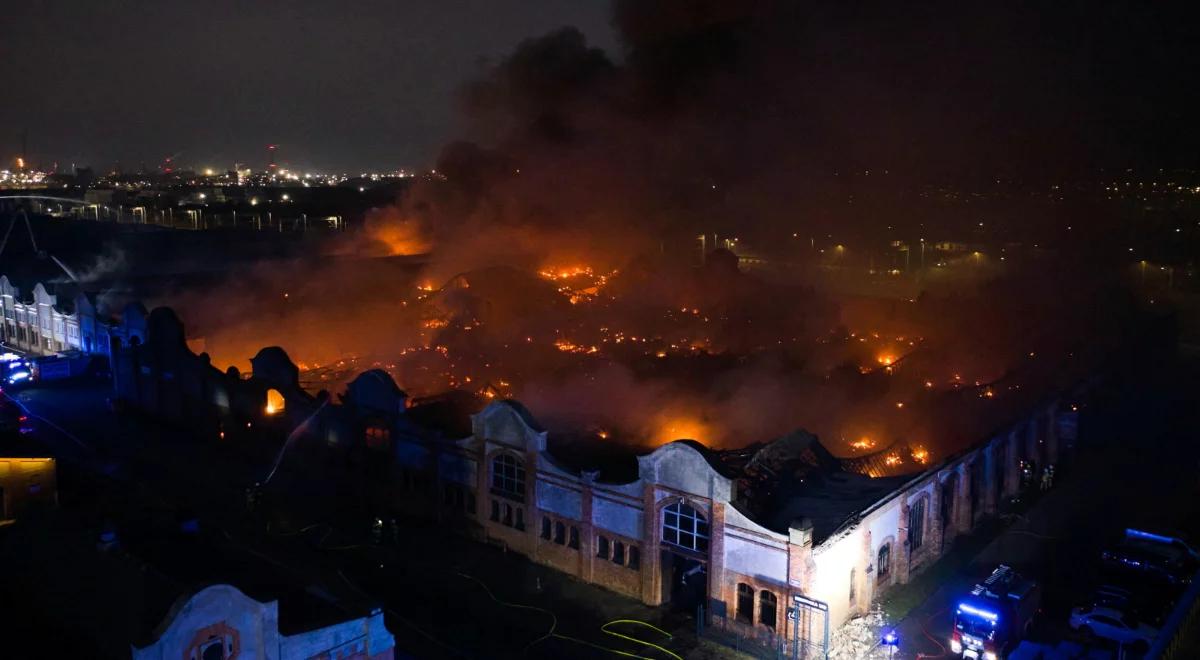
{"points": [[920, 455], [862, 444], [670, 428], [275, 402]]}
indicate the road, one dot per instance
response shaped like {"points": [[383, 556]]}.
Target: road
{"points": [[1136, 466]]}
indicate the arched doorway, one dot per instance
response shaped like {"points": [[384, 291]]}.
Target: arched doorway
{"points": [[684, 549], [275, 402]]}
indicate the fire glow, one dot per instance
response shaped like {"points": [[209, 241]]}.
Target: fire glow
{"points": [[863, 444]]}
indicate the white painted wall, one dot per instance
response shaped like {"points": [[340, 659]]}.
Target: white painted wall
{"points": [[617, 517], [831, 579], [755, 559], [559, 500], [257, 625]]}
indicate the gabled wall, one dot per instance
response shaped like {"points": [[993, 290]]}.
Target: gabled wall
{"points": [[39, 327], [221, 614]]}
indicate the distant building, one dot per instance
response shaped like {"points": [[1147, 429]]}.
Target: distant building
{"points": [[41, 327], [951, 247], [222, 623], [26, 482]]}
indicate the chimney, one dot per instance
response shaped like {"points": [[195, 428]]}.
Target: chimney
{"points": [[800, 546]]}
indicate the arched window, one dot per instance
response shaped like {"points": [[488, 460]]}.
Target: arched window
{"points": [[508, 477], [948, 492], [916, 524], [883, 563], [975, 484], [745, 603], [214, 651], [767, 602], [378, 435], [686, 528]]}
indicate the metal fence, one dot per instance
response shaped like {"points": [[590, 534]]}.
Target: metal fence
{"points": [[755, 641], [761, 642], [1182, 627]]}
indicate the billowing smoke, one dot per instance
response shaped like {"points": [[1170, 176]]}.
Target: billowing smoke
{"points": [[815, 117], [779, 123]]}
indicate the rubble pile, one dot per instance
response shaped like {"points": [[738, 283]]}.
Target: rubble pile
{"points": [[859, 638]]}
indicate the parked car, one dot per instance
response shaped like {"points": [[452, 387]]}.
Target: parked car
{"points": [[1140, 565], [1112, 624], [1141, 606]]}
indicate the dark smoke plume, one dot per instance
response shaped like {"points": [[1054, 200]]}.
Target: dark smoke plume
{"points": [[766, 120]]}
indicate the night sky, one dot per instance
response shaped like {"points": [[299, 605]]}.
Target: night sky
{"points": [[338, 85], [931, 89]]}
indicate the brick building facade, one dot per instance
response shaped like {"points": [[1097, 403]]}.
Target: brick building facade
{"points": [[673, 527]]}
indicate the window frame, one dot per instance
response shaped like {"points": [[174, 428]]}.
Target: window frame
{"points": [[697, 528], [764, 604], [883, 568], [744, 604], [509, 478], [916, 524]]}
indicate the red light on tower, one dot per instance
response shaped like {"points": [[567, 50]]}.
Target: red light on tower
{"points": [[271, 157]]}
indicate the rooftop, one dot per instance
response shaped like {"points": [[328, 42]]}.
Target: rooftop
{"points": [[113, 598]]}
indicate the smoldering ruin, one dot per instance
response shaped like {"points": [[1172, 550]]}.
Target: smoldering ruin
{"points": [[570, 252]]}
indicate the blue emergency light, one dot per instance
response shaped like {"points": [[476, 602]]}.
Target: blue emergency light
{"points": [[890, 638], [964, 608], [18, 376], [1139, 534]]}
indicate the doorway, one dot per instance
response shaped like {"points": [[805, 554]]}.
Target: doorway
{"points": [[685, 582]]}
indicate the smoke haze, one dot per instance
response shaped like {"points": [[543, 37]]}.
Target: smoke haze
{"points": [[765, 120]]}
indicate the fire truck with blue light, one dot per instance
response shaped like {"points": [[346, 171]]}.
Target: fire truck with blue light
{"points": [[992, 619]]}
